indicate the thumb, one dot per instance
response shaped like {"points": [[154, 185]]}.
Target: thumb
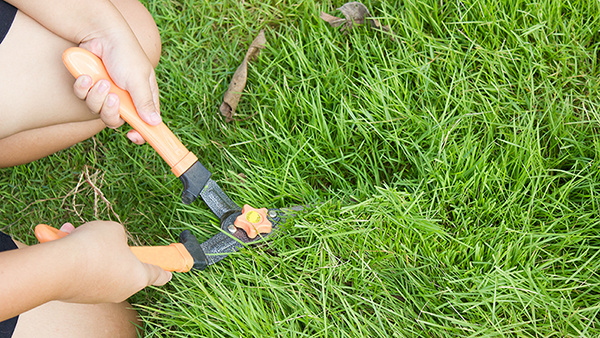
{"points": [[67, 227], [156, 275], [145, 100]]}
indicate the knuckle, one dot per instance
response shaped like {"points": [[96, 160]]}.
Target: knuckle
{"points": [[94, 101], [80, 93], [111, 117], [112, 122]]}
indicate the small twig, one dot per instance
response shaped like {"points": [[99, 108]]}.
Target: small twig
{"points": [[98, 193], [91, 180]]}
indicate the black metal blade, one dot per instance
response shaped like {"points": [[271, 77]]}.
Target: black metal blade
{"points": [[231, 239], [197, 183], [219, 246], [218, 202]]}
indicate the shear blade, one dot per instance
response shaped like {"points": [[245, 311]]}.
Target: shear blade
{"points": [[224, 243]]}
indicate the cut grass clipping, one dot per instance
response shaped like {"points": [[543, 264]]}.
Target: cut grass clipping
{"points": [[452, 170]]}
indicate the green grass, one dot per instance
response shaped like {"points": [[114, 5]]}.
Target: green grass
{"points": [[454, 171]]}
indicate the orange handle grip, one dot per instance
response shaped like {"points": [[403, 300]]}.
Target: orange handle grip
{"points": [[45, 233], [80, 61], [173, 257]]}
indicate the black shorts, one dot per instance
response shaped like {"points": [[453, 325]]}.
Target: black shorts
{"points": [[8, 326], [7, 15]]}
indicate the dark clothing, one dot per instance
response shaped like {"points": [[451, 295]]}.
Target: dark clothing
{"points": [[8, 326], [7, 15]]}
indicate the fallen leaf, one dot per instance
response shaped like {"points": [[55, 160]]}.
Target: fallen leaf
{"points": [[334, 21], [238, 81], [355, 13]]}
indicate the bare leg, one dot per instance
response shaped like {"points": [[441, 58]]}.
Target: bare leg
{"points": [[57, 319], [39, 115], [33, 144], [37, 103], [64, 320]]}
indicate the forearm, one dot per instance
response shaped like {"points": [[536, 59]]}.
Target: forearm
{"points": [[91, 265], [74, 20], [34, 275]]}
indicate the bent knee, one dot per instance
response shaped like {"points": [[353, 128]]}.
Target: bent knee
{"points": [[58, 319], [143, 26]]}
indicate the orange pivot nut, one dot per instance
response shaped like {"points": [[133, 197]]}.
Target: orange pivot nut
{"points": [[253, 221]]}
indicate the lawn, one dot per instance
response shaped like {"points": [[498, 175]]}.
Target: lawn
{"points": [[451, 166]]}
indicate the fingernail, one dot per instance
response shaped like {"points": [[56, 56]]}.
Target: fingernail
{"points": [[103, 86], [85, 81], [111, 100], [155, 118]]}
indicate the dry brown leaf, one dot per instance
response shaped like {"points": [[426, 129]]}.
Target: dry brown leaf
{"points": [[355, 13], [334, 21], [238, 81]]}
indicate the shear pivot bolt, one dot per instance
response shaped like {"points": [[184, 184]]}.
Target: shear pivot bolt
{"points": [[253, 221], [232, 228], [253, 217], [272, 213]]}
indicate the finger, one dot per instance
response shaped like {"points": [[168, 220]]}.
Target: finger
{"points": [[155, 92], [143, 96], [82, 86], [157, 276], [110, 111], [67, 227], [135, 137], [97, 95]]}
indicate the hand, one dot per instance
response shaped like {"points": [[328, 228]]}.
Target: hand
{"points": [[100, 27], [104, 269], [131, 70]]}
